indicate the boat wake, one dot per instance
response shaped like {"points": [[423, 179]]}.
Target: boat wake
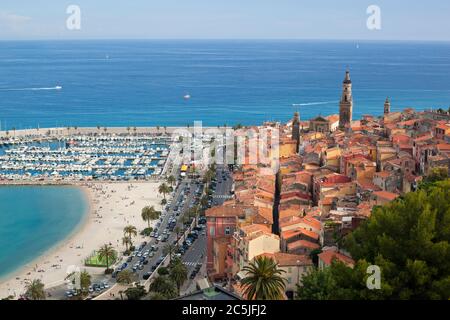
{"points": [[316, 103], [31, 89]]}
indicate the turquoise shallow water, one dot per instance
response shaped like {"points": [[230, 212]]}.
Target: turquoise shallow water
{"points": [[34, 219]]}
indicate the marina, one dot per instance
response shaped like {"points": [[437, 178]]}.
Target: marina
{"points": [[83, 157]]}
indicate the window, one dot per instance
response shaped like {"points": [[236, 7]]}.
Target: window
{"points": [[211, 231], [227, 230]]}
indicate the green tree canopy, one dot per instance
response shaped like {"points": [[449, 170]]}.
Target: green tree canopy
{"points": [[108, 253], [149, 214], [164, 189], [408, 239], [125, 277], [178, 273], [164, 286], [35, 290], [135, 293], [130, 231]]}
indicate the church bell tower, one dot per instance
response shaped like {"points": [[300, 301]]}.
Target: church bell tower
{"points": [[346, 103], [387, 106], [296, 130]]}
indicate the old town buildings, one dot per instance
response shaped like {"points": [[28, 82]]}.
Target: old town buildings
{"points": [[328, 178]]}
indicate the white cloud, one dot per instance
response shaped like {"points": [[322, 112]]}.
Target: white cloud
{"points": [[12, 20]]}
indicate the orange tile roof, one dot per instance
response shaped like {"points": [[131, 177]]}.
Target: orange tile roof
{"points": [[333, 118], [288, 259], [383, 174], [443, 146], [302, 244], [266, 213], [367, 184], [328, 256], [296, 232], [386, 195], [254, 228], [293, 220]]}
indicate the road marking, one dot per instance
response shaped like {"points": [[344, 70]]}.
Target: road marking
{"points": [[190, 263]]}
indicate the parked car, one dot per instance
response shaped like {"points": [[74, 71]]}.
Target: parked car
{"points": [[146, 275]]}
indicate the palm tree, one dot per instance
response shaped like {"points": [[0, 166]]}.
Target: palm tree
{"points": [[204, 201], [107, 252], [164, 189], [128, 130], [177, 231], [171, 180], [35, 290], [125, 277], [169, 249], [130, 231], [178, 273], [127, 242], [193, 213], [263, 280], [165, 129], [85, 281], [150, 213], [158, 296], [163, 203], [164, 286]]}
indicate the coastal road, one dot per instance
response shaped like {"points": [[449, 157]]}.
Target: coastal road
{"points": [[223, 187], [196, 255], [183, 201], [59, 292]]}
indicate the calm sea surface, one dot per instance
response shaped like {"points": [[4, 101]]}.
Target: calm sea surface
{"points": [[142, 83], [34, 219]]}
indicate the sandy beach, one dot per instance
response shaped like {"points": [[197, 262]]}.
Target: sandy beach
{"points": [[112, 207]]}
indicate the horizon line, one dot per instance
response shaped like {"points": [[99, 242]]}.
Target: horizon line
{"points": [[230, 39]]}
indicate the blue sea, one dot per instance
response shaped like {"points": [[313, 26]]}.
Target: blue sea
{"points": [[34, 219], [142, 83]]}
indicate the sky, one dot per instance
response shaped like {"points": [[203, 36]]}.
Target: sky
{"points": [[226, 19]]}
